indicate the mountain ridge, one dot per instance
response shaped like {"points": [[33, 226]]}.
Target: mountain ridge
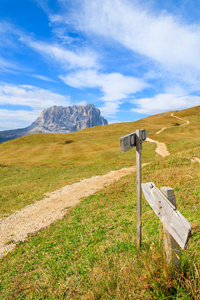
{"points": [[59, 119]]}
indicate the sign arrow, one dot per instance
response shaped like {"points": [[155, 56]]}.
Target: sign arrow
{"points": [[128, 141]]}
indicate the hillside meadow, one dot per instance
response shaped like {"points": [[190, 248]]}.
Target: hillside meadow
{"points": [[91, 253]]}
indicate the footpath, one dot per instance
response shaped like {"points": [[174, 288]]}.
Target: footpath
{"points": [[32, 218]]}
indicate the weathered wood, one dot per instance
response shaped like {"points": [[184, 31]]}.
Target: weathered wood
{"points": [[128, 141], [139, 191], [172, 249], [172, 219]]}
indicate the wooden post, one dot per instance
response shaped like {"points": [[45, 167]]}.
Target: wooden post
{"points": [[126, 143], [172, 249], [139, 191]]}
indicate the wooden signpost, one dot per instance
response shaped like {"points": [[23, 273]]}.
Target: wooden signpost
{"points": [[128, 142], [177, 229], [172, 219]]}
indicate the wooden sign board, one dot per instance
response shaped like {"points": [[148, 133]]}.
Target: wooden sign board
{"points": [[128, 141], [171, 218]]}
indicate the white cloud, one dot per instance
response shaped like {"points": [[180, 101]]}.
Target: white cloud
{"points": [[85, 58], [164, 102], [56, 18], [167, 44], [7, 32], [30, 96], [114, 86], [43, 78], [109, 109], [117, 86], [34, 98], [6, 65], [81, 103], [14, 119], [159, 37]]}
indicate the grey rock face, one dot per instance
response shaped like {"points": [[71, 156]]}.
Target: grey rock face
{"points": [[59, 119]]}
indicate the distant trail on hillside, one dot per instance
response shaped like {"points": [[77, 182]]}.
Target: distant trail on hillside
{"points": [[186, 121], [42, 213], [172, 114], [161, 147]]}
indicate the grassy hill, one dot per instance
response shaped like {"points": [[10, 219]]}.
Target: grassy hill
{"points": [[91, 253]]}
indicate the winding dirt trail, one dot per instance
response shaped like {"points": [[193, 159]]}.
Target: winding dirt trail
{"points": [[172, 114], [41, 214], [161, 147], [55, 205], [186, 121]]}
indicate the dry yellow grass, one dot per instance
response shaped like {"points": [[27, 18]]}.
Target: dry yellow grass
{"points": [[91, 253]]}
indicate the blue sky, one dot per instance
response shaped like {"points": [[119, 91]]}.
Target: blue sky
{"points": [[129, 58]]}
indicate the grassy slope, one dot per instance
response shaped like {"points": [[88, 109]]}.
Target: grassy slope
{"points": [[33, 165], [91, 253]]}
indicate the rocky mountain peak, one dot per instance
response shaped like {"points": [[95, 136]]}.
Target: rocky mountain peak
{"points": [[59, 119]]}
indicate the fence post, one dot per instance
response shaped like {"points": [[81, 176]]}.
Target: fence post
{"points": [[172, 249], [139, 190]]}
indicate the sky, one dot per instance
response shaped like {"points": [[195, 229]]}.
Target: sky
{"points": [[130, 58]]}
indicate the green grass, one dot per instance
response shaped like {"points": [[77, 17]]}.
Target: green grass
{"points": [[36, 164], [25, 182], [91, 253], [33, 165]]}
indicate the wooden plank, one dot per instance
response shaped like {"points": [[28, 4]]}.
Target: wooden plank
{"points": [[128, 141], [172, 249], [172, 219], [139, 191]]}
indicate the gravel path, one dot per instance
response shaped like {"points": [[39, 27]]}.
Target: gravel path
{"points": [[42, 213], [55, 205], [172, 114], [161, 147]]}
